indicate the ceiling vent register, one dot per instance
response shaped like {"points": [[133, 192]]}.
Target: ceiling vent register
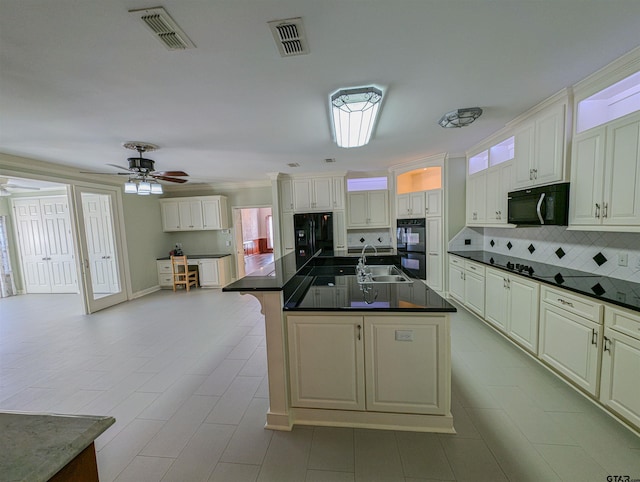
{"points": [[165, 29], [289, 36]]}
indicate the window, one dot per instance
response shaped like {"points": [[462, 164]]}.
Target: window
{"points": [[367, 184]]}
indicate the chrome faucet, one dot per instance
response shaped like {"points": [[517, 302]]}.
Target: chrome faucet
{"points": [[362, 262]]}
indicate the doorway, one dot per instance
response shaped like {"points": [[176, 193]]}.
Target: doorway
{"points": [[253, 241]]}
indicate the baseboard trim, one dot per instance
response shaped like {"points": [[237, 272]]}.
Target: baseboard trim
{"points": [[148, 291]]}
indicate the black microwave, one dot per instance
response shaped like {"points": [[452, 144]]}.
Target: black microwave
{"points": [[537, 206]]}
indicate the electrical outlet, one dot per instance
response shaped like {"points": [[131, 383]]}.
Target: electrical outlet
{"points": [[467, 242], [623, 259], [228, 243]]}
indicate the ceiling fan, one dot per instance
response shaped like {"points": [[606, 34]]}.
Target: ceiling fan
{"points": [[141, 168], [7, 187]]}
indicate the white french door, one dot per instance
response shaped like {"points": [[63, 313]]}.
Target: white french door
{"points": [[43, 227], [101, 247]]}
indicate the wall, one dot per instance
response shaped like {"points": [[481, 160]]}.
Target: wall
{"points": [[454, 196], [558, 246]]}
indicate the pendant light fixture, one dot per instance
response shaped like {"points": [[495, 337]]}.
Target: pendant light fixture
{"points": [[354, 113]]}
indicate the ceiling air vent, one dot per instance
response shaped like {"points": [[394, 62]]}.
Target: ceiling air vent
{"points": [[164, 28], [293, 164], [289, 36]]}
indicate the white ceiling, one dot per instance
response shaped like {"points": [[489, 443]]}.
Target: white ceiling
{"points": [[79, 78]]}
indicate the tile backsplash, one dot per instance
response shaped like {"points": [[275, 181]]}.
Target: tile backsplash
{"points": [[377, 238], [590, 251]]}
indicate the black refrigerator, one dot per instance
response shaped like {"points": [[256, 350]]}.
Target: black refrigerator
{"points": [[313, 232]]}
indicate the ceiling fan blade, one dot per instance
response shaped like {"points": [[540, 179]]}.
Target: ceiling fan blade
{"points": [[170, 179], [169, 173], [118, 167], [108, 173]]}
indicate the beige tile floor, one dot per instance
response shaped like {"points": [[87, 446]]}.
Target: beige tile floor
{"points": [[184, 375]]}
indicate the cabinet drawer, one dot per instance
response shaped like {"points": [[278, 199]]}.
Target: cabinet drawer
{"points": [[623, 321], [457, 261], [474, 267], [165, 280], [575, 304], [164, 266]]}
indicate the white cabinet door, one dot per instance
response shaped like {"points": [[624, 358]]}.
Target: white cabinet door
{"points": [[620, 382], [321, 194], [456, 278], [368, 209], [170, 216], [569, 343], [499, 181], [474, 291], [549, 146], [286, 195], [524, 296], [208, 272], [403, 206], [523, 155], [622, 173], [476, 198], [358, 206], [433, 203], [287, 233], [212, 214], [539, 149], [302, 195], [434, 253], [378, 208], [497, 298], [339, 234], [190, 213], [322, 381], [587, 180], [406, 362]]}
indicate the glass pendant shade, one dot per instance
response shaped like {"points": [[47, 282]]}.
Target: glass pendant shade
{"points": [[144, 188], [130, 187], [156, 188], [354, 114]]}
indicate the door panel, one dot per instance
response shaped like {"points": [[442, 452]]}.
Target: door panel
{"points": [[101, 245]]}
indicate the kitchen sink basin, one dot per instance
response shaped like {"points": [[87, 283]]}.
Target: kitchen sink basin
{"points": [[385, 274]]}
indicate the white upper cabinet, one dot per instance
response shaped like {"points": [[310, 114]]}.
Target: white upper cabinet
{"points": [[314, 194], [368, 209], [605, 178], [410, 205], [338, 192], [286, 195], [540, 148], [194, 213], [433, 203], [489, 179]]}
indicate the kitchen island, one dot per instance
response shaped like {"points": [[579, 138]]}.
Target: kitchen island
{"points": [[342, 351]]}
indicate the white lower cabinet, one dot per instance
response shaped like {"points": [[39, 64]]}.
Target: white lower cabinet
{"points": [[317, 379], [396, 364], [466, 283], [512, 306], [570, 343], [212, 272], [620, 378]]}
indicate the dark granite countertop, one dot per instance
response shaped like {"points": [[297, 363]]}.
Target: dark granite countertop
{"points": [[611, 290], [329, 284], [198, 256]]}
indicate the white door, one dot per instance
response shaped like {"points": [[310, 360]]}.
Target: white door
{"points": [[585, 205], [378, 208], [35, 266], [549, 147], [100, 236], [524, 296], [56, 223], [496, 299]]}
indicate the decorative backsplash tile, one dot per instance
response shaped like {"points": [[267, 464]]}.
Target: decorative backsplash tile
{"points": [[357, 239], [590, 251]]}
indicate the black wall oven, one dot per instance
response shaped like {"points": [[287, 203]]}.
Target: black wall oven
{"points": [[411, 239]]}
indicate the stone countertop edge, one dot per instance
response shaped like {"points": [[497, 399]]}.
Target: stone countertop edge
{"points": [[197, 256], [479, 255], [35, 446]]}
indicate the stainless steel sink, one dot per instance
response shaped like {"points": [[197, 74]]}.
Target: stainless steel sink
{"points": [[384, 274]]}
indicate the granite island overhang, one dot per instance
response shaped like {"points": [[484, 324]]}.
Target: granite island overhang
{"points": [[353, 354]]}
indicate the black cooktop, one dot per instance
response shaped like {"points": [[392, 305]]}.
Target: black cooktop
{"points": [[612, 290]]}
